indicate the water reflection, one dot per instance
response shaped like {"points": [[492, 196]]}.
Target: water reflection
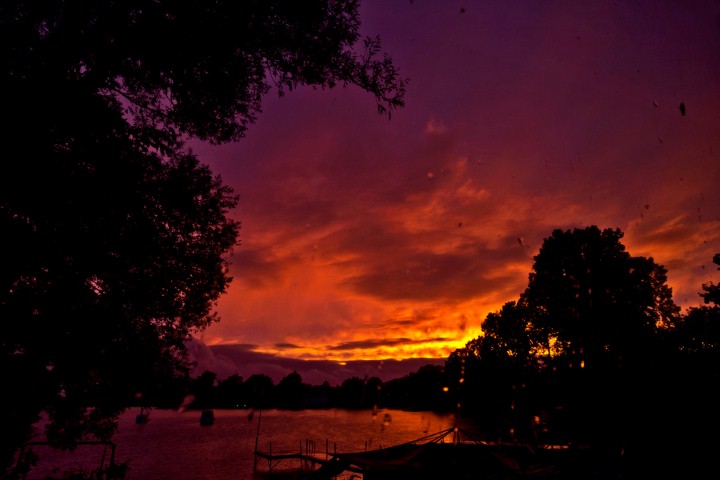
{"points": [[173, 445]]}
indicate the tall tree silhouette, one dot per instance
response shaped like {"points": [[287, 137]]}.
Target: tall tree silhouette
{"points": [[711, 292], [114, 238], [689, 385], [291, 391], [599, 302], [584, 345], [606, 313], [493, 373]]}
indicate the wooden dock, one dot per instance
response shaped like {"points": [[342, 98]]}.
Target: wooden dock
{"points": [[300, 463]]}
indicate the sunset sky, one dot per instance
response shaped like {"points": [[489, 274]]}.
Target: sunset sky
{"points": [[365, 237]]}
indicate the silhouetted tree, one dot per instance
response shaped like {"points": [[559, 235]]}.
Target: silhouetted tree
{"points": [[204, 389], [231, 393], [168, 392], [113, 237], [110, 260], [420, 390], [584, 346], [320, 396], [260, 391], [491, 375], [711, 291], [699, 331], [689, 384], [373, 392], [290, 392], [351, 393], [460, 366], [605, 313], [192, 67], [510, 336], [598, 302]]}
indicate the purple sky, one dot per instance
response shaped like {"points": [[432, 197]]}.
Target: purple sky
{"points": [[369, 238]]}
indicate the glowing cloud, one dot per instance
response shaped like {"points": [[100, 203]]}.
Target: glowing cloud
{"points": [[365, 238]]}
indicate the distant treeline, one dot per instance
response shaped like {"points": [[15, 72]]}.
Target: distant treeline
{"points": [[425, 389]]}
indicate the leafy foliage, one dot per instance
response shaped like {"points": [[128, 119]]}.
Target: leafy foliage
{"points": [[596, 349], [114, 238], [597, 301], [711, 291], [193, 67]]}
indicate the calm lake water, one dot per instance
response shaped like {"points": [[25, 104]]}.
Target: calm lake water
{"points": [[174, 446]]}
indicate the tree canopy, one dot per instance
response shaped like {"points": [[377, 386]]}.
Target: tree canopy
{"points": [[191, 67], [588, 303], [114, 237], [596, 351], [598, 302], [711, 291]]}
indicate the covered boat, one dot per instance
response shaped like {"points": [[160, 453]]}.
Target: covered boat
{"points": [[437, 456], [207, 418]]}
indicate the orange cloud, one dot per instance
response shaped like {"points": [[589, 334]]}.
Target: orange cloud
{"points": [[365, 238]]}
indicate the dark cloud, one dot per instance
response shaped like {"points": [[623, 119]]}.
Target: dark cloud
{"points": [[236, 347], [203, 359], [416, 319], [256, 267], [247, 363], [382, 342], [430, 276]]}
